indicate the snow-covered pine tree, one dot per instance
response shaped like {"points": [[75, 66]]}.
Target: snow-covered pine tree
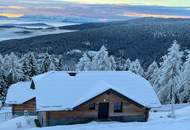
{"points": [[3, 84], [53, 64], [102, 61], [60, 64], [185, 89], [113, 65], [47, 63], [122, 64], [136, 67], [3, 87], [152, 69], [52, 67], [152, 74], [170, 76], [99, 60], [127, 64], [84, 63], [30, 66], [13, 68]]}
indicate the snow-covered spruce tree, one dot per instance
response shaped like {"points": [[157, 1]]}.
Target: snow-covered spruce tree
{"points": [[3, 87], [48, 63], [84, 63], [122, 64], [52, 67], [152, 69], [127, 64], [30, 66], [185, 89], [102, 61], [113, 65], [13, 68], [3, 90], [54, 63], [60, 64], [96, 61], [3, 84], [136, 67], [170, 76], [152, 75]]}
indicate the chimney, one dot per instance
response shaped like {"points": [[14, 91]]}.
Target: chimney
{"points": [[72, 73]]}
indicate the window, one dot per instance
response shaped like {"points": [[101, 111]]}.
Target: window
{"points": [[92, 106], [118, 107]]}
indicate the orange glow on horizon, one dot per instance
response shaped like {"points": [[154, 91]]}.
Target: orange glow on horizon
{"points": [[12, 7], [11, 15], [134, 14]]}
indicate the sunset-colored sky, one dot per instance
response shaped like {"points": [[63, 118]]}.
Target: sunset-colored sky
{"points": [[102, 9], [174, 3]]}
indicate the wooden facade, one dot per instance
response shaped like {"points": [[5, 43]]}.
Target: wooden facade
{"points": [[28, 107], [99, 108]]}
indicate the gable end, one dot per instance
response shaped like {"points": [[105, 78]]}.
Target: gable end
{"points": [[116, 93]]}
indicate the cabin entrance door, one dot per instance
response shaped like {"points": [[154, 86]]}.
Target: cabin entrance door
{"points": [[103, 111]]}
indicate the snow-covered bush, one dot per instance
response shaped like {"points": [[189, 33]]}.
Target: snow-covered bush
{"points": [[19, 125]]}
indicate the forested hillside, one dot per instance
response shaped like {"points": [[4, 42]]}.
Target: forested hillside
{"points": [[146, 39], [169, 78]]}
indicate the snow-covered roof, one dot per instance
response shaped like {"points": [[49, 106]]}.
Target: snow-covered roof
{"points": [[19, 93], [60, 91]]}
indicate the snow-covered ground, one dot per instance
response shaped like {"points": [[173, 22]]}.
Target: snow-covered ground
{"points": [[18, 123], [5, 114], [157, 121], [168, 107]]}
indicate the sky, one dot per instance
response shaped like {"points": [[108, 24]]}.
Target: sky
{"points": [[174, 3], [102, 9]]}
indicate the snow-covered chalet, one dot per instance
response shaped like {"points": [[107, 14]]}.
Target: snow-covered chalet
{"points": [[21, 98], [72, 98]]}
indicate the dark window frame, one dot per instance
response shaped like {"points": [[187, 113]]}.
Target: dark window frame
{"points": [[92, 106], [118, 107]]}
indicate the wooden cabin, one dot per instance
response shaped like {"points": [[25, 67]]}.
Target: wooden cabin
{"points": [[93, 96], [21, 98], [28, 107], [108, 106]]}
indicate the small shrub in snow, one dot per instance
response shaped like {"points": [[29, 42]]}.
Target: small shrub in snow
{"points": [[37, 122], [19, 125], [29, 120]]}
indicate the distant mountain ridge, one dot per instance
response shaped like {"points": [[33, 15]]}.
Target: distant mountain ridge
{"points": [[146, 39]]}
